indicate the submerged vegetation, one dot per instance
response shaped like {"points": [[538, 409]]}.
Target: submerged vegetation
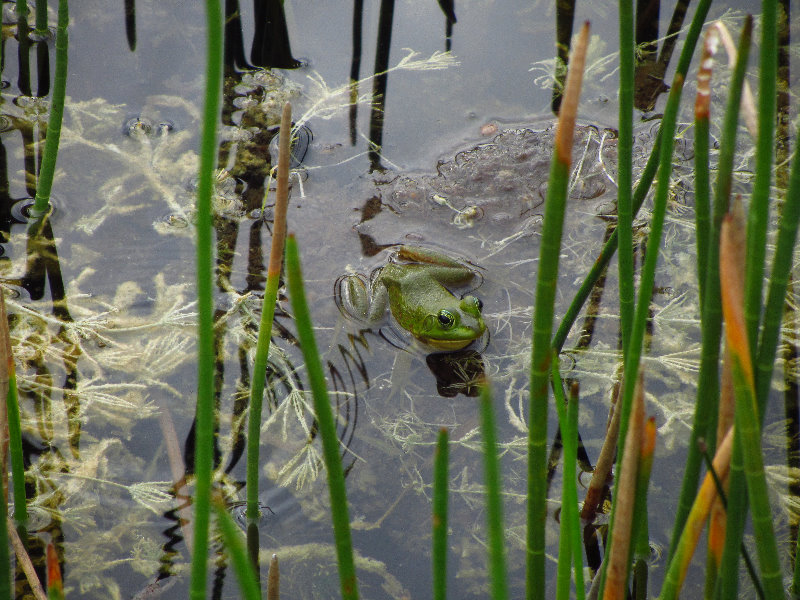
{"points": [[680, 350]]}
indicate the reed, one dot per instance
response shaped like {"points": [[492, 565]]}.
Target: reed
{"points": [[327, 427], [547, 278], [237, 551], [267, 314], [204, 424], [748, 423], [711, 323], [625, 172], [48, 168], [494, 499], [439, 517], [570, 556]]}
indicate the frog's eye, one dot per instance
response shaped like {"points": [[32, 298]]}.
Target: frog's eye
{"points": [[446, 318], [472, 305]]}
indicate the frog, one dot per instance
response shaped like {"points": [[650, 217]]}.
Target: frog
{"points": [[413, 286]]}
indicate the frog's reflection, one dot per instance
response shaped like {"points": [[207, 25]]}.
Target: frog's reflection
{"points": [[457, 372]]}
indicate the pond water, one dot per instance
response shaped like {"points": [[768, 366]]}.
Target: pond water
{"points": [[107, 376]]}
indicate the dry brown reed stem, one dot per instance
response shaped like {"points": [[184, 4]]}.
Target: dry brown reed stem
{"points": [[273, 579], [695, 523], [569, 104], [605, 461], [24, 561], [748, 104], [282, 195], [731, 265], [618, 562], [702, 102]]}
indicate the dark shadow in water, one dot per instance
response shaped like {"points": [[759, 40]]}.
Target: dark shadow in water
{"points": [[380, 83], [449, 9], [355, 67], [271, 47], [130, 24], [457, 372], [649, 71], [233, 54], [565, 21], [23, 49]]}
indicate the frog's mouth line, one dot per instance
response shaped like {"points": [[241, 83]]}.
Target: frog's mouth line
{"points": [[446, 344]]}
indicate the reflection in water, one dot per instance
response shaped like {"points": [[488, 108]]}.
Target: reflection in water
{"points": [[380, 82], [649, 71], [456, 373], [271, 46], [565, 21], [449, 9], [130, 24]]}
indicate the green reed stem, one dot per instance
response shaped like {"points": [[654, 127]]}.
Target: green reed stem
{"points": [[633, 358], [728, 578], [778, 283], [204, 430], [758, 215], [237, 551], [747, 422], [439, 534], [702, 200], [48, 168], [41, 19], [640, 192], [570, 555], [625, 171], [494, 499], [267, 314], [327, 426], [711, 316], [546, 282]]}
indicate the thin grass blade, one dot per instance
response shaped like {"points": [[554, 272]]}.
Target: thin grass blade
{"points": [[439, 534], [237, 551], [267, 314], [570, 558], [327, 426], [204, 442], [494, 499]]}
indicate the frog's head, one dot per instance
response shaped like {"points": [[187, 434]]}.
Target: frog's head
{"points": [[454, 327]]}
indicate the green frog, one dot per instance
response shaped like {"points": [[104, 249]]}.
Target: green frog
{"points": [[415, 292]]}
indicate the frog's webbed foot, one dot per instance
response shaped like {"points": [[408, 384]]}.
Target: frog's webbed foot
{"points": [[352, 296]]}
